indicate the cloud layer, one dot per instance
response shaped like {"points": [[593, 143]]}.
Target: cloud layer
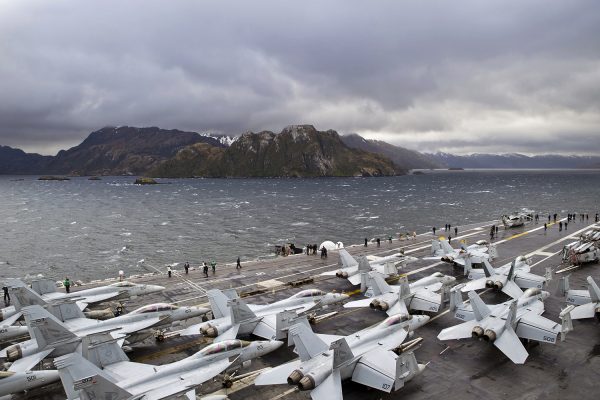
{"points": [[468, 76]]}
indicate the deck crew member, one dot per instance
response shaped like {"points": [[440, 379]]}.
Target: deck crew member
{"points": [[67, 285]]}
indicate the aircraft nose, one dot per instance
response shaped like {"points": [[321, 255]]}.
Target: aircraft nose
{"points": [[266, 346], [422, 319], [197, 311], [154, 288]]}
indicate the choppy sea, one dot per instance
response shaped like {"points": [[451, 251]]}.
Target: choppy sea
{"points": [[92, 229]]}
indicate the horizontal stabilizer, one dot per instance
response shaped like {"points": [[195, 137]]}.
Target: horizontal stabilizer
{"points": [[508, 342], [460, 331]]}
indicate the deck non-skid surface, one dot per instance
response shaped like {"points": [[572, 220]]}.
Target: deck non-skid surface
{"points": [[466, 369]]}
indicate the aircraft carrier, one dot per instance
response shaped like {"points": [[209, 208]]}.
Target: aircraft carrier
{"points": [[466, 369]]}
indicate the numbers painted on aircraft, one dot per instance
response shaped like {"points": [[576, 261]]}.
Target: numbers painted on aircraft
{"points": [[460, 316], [31, 378], [259, 347], [4, 330], [549, 339], [187, 311], [385, 386]]}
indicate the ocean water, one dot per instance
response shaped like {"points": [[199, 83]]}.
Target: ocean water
{"points": [[92, 229]]}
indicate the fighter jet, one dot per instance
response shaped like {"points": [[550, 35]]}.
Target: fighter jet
{"points": [[587, 302], [367, 357], [516, 219], [116, 291], [509, 278], [104, 371], [503, 324], [581, 252], [234, 317], [352, 269], [398, 299], [137, 325], [442, 250]]}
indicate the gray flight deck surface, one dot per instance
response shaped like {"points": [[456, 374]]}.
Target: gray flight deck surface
{"points": [[466, 369]]}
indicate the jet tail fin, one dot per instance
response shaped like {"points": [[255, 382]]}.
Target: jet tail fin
{"points": [[563, 286], [566, 322], [102, 350], [404, 291], [363, 265], [593, 289], [378, 284], [346, 259], [446, 246], [65, 311], [511, 271], [456, 297], [283, 321], [218, 303], [240, 312], [436, 249], [341, 352], [45, 327], [511, 318], [488, 270], [308, 344], [23, 297], [83, 379], [492, 251], [480, 309], [43, 286]]}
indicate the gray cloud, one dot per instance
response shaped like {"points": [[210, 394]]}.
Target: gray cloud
{"points": [[469, 76]]}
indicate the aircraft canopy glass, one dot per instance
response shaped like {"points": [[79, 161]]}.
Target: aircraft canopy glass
{"points": [[397, 319], [309, 293], [224, 346], [155, 308]]}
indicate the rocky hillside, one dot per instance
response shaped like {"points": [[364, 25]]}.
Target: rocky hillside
{"points": [[124, 151], [17, 162], [298, 151], [514, 161], [402, 157]]}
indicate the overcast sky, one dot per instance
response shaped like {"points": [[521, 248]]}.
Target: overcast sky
{"points": [[457, 76]]}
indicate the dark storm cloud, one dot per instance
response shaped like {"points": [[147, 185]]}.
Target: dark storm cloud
{"points": [[456, 76]]}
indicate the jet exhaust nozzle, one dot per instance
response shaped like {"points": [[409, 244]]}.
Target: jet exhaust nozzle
{"points": [[489, 335], [374, 304], [306, 383], [295, 377], [383, 306], [498, 285], [14, 353], [477, 332], [489, 284]]}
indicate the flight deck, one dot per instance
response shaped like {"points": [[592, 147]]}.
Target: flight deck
{"points": [[465, 369]]}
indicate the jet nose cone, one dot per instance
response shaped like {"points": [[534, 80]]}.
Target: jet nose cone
{"points": [[196, 311], [155, 288], [266, 346], [422, 319]]}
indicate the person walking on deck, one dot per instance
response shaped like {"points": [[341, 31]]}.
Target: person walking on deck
{"points": [[6, 296], [205, 269], [67, 285], [213, 265], [238, 265], [169, 271]]}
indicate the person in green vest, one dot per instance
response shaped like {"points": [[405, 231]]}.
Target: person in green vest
{"points": [[213, 265], [67, 285]]}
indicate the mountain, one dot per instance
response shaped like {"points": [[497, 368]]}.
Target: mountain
{"points": [[403, 158], [17, 162], [124, 151], [514, 160], [298, 151]]}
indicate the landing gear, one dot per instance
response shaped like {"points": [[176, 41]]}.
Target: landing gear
{"points": [[227, 381]]}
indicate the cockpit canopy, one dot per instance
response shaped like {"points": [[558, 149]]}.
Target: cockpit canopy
{"points": [[438, 275], [123, 284], [397, 319], [157, 307], [222, 347], [531, 292], [309, 293]]}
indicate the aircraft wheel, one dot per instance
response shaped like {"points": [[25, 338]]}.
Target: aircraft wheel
{"points": [[160, 337], [227, 383]]}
